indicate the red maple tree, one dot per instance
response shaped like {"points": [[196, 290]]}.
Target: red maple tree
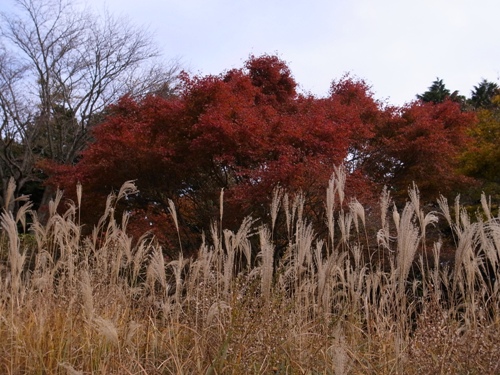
{"points": [[247, 131], [420, 144]]}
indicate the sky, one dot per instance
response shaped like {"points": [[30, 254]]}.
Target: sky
{"points": [[397, 46]]}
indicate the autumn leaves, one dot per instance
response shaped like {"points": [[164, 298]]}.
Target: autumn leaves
{"points": [[248, 130]]}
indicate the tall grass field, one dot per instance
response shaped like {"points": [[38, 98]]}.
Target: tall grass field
{"points": [[345, 300]]}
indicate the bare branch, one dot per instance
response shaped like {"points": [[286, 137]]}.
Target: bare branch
{"points": [[60, 67]]}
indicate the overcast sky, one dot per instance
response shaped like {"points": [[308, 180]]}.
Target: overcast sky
{"points": [[399, 47]]}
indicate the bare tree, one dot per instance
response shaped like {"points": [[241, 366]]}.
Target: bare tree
{"points": [[60, 67], [16, 155]]}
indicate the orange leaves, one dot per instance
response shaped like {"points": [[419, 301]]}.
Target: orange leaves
{"points": [[481, 158]]}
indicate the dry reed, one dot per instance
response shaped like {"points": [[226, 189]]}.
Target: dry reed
{"points": [[98, 304]]}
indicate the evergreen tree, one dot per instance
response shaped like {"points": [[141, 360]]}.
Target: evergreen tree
{"points": [[483, 94], [436, 93]]}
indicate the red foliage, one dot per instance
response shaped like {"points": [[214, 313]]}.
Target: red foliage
{"points": [[421, 143], [273, 78], [248, 131]]}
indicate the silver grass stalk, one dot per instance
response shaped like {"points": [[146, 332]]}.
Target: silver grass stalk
{"points": [[241, 241], [156, 270], [464, 218], [215, 312], [385, 199], [218, 250], [228, 259], [206, 257], [112, 225], [243, 231], [229, 241], [42, 278], [139, 253], [266, 255], [275, 205], [429, 219], [435, 273], [330, 206], [357, 212], [127, 188], [293, 213], [125, 243], [298, 206], [221, 205], [16, 259], [414, 195], [214, 232], [193, 279], [383, 238], [79, 194], [322, 274], [54, 203], [173, 212], [131, 332], [303, 241], [341, 176], [125, 220], [396, 217], [424, 220], [9, 194], [486, 242], [345, 223], [486, 205], [108, 213], [357, 254], [246, 249], [106, 329], [445, 208], [87, 295], [286, 208], [408, 241], [22, 213], [116, 261], [494, 249], [463, 255], [70, 214], [177, 267], [383, 234], [457, 211]]}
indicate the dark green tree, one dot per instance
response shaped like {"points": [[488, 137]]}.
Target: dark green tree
{"points": [[436, 93], [483, 94]]}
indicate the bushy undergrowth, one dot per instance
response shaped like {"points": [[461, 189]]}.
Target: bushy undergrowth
{"points": [[104, 304]]}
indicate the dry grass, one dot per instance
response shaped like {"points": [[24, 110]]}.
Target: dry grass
{"points": [[98, 305]]}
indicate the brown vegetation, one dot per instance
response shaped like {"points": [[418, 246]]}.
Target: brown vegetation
{"points": [[71, 304]]}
